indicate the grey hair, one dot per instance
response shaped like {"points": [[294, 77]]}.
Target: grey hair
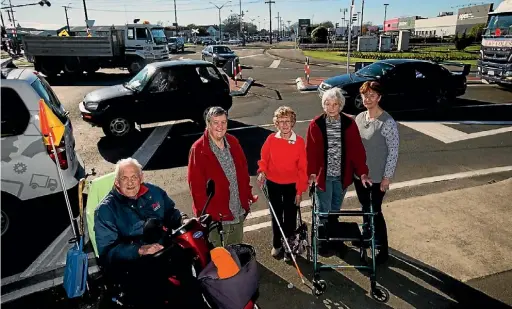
{"points": [[333, 94], [215, 111], [127, 161]]}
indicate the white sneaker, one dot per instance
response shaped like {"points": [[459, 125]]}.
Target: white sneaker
{"points": [[276, 252]]}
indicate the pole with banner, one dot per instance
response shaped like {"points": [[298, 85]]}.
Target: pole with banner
{"points": [[53, 132]]}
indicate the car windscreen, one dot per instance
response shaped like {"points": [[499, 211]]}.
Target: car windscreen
{"points": [[501, 22], [221, 50], [159, 35], [375, 69], [139, 81], [171, 40]]}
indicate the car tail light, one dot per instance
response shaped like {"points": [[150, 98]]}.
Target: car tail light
{"points": [[61, 154]]}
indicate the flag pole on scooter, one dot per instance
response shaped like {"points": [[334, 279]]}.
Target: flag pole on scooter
{"points": [[53, 132]]}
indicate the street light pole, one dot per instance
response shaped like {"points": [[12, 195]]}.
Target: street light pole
{"points": [[220, 24], [175, 18], [385, 13], [362, 13], [86, 17], [349, 35], [270, 2]]}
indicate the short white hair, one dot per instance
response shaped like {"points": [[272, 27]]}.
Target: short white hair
{"points": [[333, 94], [127, 161]]}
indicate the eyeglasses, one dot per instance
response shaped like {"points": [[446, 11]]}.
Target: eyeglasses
{"points": [[125, 179]]}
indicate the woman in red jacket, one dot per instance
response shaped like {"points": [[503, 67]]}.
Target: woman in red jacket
{"points": [[335, 153], [283, 166]]}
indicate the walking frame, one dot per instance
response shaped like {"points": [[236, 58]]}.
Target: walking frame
{"points": [[344, 231]]}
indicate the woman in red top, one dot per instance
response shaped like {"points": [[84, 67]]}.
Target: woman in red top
{"points": [[283, 166]]}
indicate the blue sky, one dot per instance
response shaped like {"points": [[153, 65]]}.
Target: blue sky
{"points": [[108, 12]]}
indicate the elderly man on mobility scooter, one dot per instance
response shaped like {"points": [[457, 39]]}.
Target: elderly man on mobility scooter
{"points": [[124, 249]]}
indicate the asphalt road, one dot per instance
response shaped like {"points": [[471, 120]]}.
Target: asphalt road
{"points": [[422, 155]]}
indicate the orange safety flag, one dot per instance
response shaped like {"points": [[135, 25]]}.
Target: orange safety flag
{"points": [[50, 124]]}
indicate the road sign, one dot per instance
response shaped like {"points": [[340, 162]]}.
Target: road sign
{"points": [[63, 33], [90, 23], [304, 22]]}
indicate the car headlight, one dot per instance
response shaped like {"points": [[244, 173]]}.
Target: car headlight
{"points": [[325, 86], [92, 106]]}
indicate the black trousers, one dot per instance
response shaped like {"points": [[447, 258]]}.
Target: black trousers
{"points": [[374, 195], [282, 198], [146, 283]]}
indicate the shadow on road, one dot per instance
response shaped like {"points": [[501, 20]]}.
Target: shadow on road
{"points": [[175, 149], [458, 110], [26, 243], [96, 79]]}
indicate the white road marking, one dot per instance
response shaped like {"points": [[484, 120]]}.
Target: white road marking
{"points": [[43, 256], [275, 64], [448, 135], [395, 186], [151, 144], [250, 56]]}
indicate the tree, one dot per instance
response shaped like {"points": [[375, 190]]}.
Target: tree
{"points": [[327, 24], [160, 23], [192, 26], [462, 42], [231, 24], [476, 31], [319, 35]]}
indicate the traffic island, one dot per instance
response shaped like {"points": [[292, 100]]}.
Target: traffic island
{"points": [[305, 85], [240, 88]]}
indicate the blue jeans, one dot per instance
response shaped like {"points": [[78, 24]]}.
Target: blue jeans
{"points": [[332, 198]]}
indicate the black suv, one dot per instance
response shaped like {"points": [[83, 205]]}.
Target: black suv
{"points": [[162, 91]]}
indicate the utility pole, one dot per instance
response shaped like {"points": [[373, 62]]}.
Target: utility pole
{"points": [[85, 11], [362, 13], [2, 15], [241, 26], [67, 19], [270, 2], [175, 18], [385, 13], [349, 35], [13, 20], [278, 27]]}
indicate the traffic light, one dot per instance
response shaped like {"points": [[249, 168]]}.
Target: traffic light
{"points": [[354, 17], [337, 24], [43, 2]]}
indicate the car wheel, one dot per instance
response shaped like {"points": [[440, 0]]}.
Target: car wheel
{"points": [[118, 126], [136, 66], [201, 120], [10, 216]]}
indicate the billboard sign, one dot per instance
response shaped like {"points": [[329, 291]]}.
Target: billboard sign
{"points": [[303, 26]]}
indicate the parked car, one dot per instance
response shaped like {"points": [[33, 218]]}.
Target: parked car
{"points": [[217, 54], [163, 91], [207, 41], [407, 84], [29, 174], [175, 44]]}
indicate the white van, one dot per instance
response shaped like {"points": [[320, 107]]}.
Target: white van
{"points": [[28, 165]]}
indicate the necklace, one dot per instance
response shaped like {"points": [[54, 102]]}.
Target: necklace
{"points": [[369, 120]]}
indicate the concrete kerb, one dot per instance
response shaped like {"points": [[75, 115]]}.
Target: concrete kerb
{"points": [[244, 89], [268, 51], [304, 87]]}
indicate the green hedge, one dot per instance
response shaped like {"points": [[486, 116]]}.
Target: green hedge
{"points": [[421, 56]]}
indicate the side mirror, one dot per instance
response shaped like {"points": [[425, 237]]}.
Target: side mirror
{"points": [[210, 188]]}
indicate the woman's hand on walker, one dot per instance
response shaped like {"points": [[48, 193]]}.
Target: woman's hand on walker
{"points": [[366, 181], [298, 199]]}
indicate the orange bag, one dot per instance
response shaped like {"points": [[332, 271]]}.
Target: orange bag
{"points": [[226, 265]]}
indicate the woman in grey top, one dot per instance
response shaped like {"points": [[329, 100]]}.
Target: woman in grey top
{"points": [[379, 133]]}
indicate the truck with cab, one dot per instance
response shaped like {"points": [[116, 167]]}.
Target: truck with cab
{"points": [[495, 60], [131, 46]]}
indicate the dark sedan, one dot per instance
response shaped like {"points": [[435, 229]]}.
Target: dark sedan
{"points": [[407, 84], [161, 91], [217, 54]]}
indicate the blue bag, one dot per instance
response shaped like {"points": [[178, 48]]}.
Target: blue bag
{"points": [[75, 274]]}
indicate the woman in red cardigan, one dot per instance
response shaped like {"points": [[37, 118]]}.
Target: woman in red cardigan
{"points": [[283, 166]]}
